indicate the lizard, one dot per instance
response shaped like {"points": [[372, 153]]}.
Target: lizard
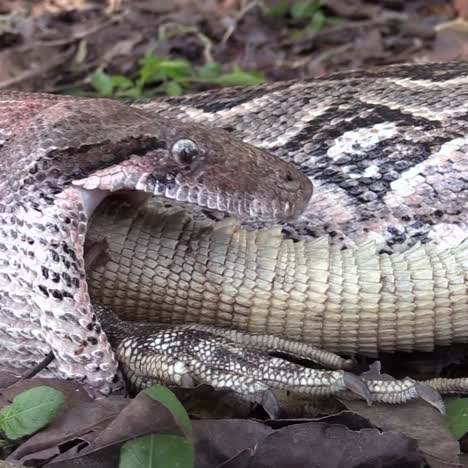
{"points": [[60, 157], [206, 296]]}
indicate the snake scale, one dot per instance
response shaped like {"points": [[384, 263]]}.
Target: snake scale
{"points": [[385, 151]]}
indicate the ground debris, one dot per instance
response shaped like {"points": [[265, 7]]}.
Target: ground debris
{"points": [[56, 44]]}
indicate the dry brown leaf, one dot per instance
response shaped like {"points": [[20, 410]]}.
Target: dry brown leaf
{"points": [[317, 445]]}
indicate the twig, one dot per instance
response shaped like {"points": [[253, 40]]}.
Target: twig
{"points": [[39, 367], [164, 32], [75, 37], [230, 30], [321, 57], [346, 26]]}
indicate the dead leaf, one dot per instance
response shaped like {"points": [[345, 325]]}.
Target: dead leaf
{"points": [[317, 445], [217, 441], [415, 419], [131, 422], [73, 431], [346, 418], [369, 45], [7, 379]]}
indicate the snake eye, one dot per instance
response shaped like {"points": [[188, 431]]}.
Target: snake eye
{"points": [[184, 151]]}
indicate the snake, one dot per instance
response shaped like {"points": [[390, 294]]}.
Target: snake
{"points": [[60, 157], [385, 151]]}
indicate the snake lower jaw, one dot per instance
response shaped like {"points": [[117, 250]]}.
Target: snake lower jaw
{"points": [[239, 205]]}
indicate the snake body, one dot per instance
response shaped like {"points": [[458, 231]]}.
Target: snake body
{"points": [[386, 152]]}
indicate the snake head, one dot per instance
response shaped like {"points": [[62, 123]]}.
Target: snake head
{"points": [[212, 169], [104, 146]]}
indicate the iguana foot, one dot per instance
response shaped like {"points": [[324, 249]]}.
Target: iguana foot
{"points": [[188, 355]]}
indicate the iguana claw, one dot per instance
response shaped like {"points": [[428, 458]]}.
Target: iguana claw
{"points": [[430, 395], [356, 385]]}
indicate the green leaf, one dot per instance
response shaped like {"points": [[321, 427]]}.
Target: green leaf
{"points": [[210, 70], [150, 61], [149, 70], [318, 21], [30, 411], [281, 9], [102, 83], [298, 10], [172, 88], [122, 82], [157, 451], [170, 401], [240, 78], [457, 416], [133, 93], [176, 68], [155, 69], [305, 9]]}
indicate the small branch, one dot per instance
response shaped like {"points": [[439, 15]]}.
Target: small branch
{"points": [[41, 366]]}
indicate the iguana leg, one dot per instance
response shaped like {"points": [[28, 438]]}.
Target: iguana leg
{"points": [[187, 355]]}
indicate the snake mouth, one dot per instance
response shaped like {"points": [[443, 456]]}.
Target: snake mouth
{"points": [[125, 177], [241, 205], [236, 204]]}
